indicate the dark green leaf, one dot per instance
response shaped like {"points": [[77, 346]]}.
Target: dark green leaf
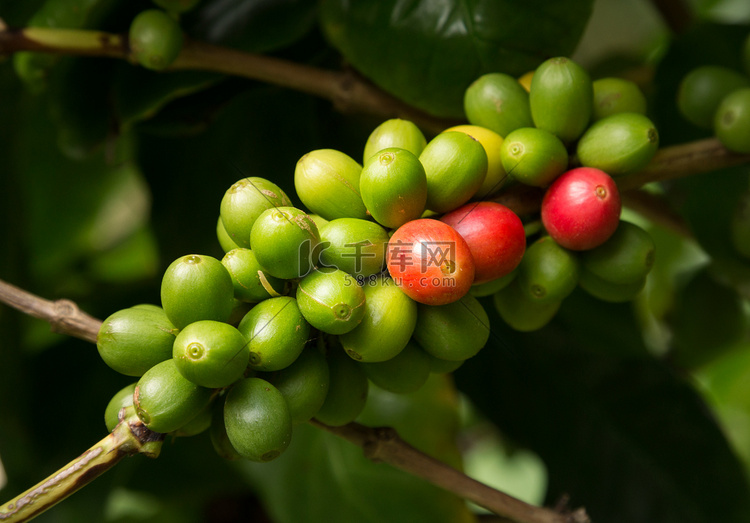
{"points": [[625, 437], [427, 53], [259, 26]]}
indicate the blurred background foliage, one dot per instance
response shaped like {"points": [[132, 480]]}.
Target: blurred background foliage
{"points": [[639, 411]]}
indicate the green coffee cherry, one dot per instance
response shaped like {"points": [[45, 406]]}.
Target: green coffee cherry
{"points": [[327, 182], [347, 392], [619, 144], [617, 95], [133, 340], [122, 399], [199, 424], [496, 177], [304, 384], [702, 90], [155, 39], [176, 6], [331, 300], [388, 323], [225, 241], [257, 420], [548, 272], [165, 400], [244, 201], [406, 372], [441, 366], [211, 354], [285, 241], [455, 165], [625, 258], [608, 291], [251, 283], [355, 246], [456, 331], [521, 312], [196, 287], [394, 187], [395, 132], [491, 287], [533, 156], [218, 432], [498, 102], [561, 98], [732, 121], [276, 332]]}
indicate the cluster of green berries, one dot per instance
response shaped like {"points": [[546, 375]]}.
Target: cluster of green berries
{"points": [[572, 137], [377, 279], [717, 98]]}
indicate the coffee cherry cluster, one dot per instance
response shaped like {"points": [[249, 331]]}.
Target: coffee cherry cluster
{"points": [[717, 98], [376, 279], [560, 131]]}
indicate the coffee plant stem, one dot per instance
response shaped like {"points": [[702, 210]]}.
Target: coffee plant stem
{"points": [[381, 444], [349, 92], [130, 437], [64, 316]]}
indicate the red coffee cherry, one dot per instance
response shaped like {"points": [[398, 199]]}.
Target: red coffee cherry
{"points": [[581, 209], [495, 236], [430, 262]]}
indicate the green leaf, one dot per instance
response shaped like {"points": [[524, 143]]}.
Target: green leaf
{"points": [[259, 26], [340, 485], [625, 437], [427, 53]]}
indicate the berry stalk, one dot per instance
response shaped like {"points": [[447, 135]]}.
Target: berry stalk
{"points": [[130, 437]]}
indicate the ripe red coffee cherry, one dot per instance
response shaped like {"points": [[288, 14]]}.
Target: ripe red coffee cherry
{"points": [[430, 262], [581, 209], [495, 236]]}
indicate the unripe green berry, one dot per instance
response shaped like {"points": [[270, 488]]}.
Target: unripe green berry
{"points": [[617, 95], [331, 300], [354, 246], [456, 331], [520, 311], [327, 183], [498, 102], [251, 283], [702, 90], [533, 156], [406, 372], [165, 400], [257, 420], [155, 39], [285, 242], [561, 98], [387, 325], [276, 332], [732, 121], [347, 391], [133, 340], [304, 384], [196, 287], [211, 353], [244, 201], [395, 132], [122, 399]]}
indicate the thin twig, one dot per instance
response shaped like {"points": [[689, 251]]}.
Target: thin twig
{"points": [[348, 91], [64, 316], [379, 444], [384, 445]]}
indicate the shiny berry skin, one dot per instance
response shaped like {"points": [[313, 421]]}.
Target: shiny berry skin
{"points": [[430, 262], [581, 209], [495, 236]]}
